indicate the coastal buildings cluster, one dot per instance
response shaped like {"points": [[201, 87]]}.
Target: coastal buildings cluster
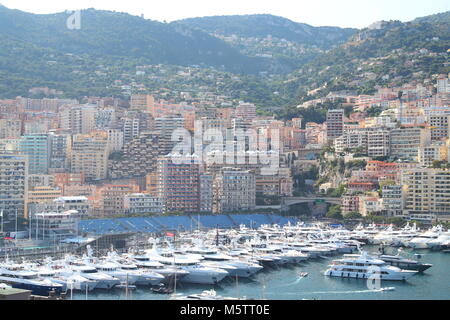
{"points": [[106, 157]]}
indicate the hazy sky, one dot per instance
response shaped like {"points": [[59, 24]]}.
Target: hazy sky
{"points": [[343, 13]]}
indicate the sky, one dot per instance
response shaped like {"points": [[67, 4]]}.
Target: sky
{"points": [[341, 13]]}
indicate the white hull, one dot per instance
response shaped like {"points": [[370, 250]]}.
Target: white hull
{"points": [[204, 277], [398, 276], [418, 245]]}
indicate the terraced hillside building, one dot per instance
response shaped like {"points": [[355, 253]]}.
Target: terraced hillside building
{"points": [[139, 156]]}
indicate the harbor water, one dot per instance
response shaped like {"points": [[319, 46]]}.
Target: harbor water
{"points": [[286, 284]]}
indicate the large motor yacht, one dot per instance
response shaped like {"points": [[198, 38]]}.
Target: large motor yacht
{"points": [[364, 267], [28, 280]]}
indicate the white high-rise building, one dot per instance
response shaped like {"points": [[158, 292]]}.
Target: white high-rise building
{"points": [[13, 185]]}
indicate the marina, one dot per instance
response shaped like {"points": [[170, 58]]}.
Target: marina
{"points": [[290, 262]]}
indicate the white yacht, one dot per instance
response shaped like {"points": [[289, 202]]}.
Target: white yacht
{"points": [[169, 272], [439, 242], [54, 272], [421, 242], [364, 266], [70, 282], [113, 270], [104, 281], [197, 273], [234, 266], [19, 278], [143, 277]]}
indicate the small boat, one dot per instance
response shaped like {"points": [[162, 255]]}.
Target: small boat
{"points": [[303, 274], [162, 290], [388, 289]]}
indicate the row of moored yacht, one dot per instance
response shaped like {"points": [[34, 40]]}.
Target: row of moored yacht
{"points": [[206, 258]]}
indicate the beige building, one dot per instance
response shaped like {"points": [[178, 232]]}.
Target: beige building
{"points": [[369, 205], [406, 141], [112, 198], [427, 191], [439, 126], [142, 102], [43, 194], [234, 190], [378, 143], [10, 128], [281, 184], [90, 155], [437, 151], [78, 118]]}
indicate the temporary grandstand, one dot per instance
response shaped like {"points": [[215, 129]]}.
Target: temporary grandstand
{"points": [[160, 224]]}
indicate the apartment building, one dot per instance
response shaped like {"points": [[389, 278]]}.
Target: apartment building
{"points": [[139, 156], [439, 126], [166, 126], [79, 119], [178, 184], [142, 102], [281, 184], [234, 190], [378, 143], [406, 141], [13, 185], [350, 203], [427, 191], [392, 200], [352, 139], [40, 194], [142, 203], [206, 183], [111, 198], [90, 155], [10, 128], [60, 151], [246, 111], [335, 124], [437, 151], [37, 148]]}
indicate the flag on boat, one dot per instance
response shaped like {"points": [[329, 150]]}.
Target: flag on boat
{"points": [[170, 234]]}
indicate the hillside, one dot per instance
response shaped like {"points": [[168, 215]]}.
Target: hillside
{"points": [[267, 60], [263, 25], [113, 34], [388, 54], [287, 44]]}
